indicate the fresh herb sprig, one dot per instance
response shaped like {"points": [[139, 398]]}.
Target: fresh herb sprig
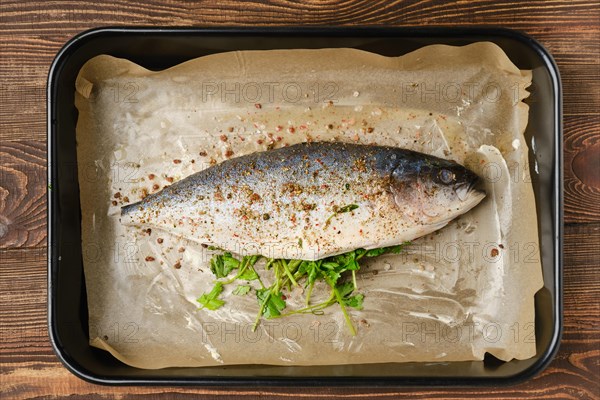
{"points": [[288, 273], [341, 210]]}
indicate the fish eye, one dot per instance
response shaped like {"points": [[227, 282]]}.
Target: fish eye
{"points": [[446, 176]]}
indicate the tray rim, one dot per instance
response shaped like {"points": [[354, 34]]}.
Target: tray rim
{"points": [[332, 31]]}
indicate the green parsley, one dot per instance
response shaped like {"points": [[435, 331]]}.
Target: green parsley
{"points": [[270, 302], [348, 208], [210, 300], [222, 265], [242, 290], [341, 210], [287, 273]]}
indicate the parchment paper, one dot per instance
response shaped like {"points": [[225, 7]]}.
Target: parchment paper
{"points": [[453, 295]]}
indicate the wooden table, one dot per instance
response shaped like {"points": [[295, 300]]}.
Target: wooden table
{"points": [[32, 32]]}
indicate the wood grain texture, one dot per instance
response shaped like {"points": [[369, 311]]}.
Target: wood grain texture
{"points": [[22, 194], [31, 32], [582, 168]]}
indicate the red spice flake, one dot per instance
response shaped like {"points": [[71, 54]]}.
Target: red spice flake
{"points": [[114, 202], [291, 129], [177, 265], [308, 207], [219, 196], [279, 138], [150, 258], [170, 179], [244, 217], [155, 187], [293, 218], [228, 153], [159, 240], [260, 141], [302, 127], [278, 128], [255, 197], [117, 195], [223, 138], [230, 129], [126, 199], [177, 161], [203, 154], [370, 130], [151, 176], [257, 105], [494, 252]]}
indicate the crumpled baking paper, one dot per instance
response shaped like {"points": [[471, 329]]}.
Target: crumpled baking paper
{"points": [[453, 295]]}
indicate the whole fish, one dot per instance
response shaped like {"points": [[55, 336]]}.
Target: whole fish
{"points": [[312, 200]]}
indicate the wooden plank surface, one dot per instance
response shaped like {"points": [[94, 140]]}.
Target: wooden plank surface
{"points": [[32, 32]]}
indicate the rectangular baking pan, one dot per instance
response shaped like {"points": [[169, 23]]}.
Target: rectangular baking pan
{"points": [[161, 48]]}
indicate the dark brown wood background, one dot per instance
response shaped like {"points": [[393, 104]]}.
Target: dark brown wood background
{"points": [[31, 32]]}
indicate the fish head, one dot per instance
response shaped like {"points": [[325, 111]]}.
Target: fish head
{"points": [[435, 190]]}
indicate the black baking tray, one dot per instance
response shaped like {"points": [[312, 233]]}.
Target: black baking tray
{"points": [[157, 49]]}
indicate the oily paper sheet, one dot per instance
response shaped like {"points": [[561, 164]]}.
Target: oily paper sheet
{"points": [[454, 295]]}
